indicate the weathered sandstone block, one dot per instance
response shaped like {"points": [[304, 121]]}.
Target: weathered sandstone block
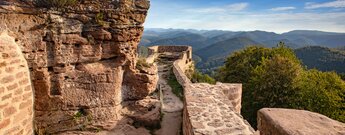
{"points": [[274, 121]]}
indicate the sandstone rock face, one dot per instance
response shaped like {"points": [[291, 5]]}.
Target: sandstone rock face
{"points": [[273, 121], [81, 58], [16, 95]]}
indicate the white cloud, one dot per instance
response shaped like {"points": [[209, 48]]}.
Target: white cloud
{"points": [[207, 10], [237, 6], [333, 4], [222, 17], [223, 9], [282, 8], [276, 22]]}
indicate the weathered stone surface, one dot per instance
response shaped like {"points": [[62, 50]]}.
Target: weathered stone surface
{"points": [[207, 105], [79, 61], [144, 112], [274, 121], [138, 85], [16, 95]]}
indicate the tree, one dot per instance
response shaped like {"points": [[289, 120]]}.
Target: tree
{"points": [[238, 66], [322, 92], [276, 78]]}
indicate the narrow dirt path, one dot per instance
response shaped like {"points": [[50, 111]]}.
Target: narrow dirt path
{"points": [[172, 105]]}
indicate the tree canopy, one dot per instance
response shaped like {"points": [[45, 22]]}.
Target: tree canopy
{"points": [[275, 77]]}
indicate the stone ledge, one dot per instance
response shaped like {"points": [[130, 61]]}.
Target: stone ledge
{"points": [[211, 113], [275, 121]]}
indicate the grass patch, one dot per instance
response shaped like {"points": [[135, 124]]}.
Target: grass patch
{"points": [[177, 89], [141, 63]]}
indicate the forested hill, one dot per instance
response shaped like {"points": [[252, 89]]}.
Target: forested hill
{"points": [[211, 47], [322, 58]]}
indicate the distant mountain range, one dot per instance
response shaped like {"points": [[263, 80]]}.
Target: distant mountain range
{"points": [[211, 47]]}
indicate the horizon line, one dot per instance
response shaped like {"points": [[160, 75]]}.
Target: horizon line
{"points": [[245, 30]]}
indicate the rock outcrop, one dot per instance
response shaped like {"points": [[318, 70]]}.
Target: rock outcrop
{"points": [[274, 121], [82, 59]]}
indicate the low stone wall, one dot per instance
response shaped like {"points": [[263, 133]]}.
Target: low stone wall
{"points": [[234, 93], [274, 121], [162, 49], [210, 112], [16, 95]]}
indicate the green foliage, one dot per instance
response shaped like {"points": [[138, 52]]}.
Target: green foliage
{"points": [[198, 77], [100, 19], [322, 92], [238, 66], [55, 3], [143, 51], [322, 58], [276, 78], [342, 76], [141, 63], [177, 89]]}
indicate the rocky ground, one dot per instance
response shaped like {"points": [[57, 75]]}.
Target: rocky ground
{"points": [[150, 115], [172, 106]]}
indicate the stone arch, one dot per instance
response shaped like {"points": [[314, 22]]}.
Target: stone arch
{"points": [[16, 94]]}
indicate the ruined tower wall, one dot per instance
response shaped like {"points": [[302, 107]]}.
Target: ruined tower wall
{"points": [[82, 59], [16, 95]]}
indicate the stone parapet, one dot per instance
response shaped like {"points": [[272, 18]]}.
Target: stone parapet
{"points": [[210, 112], [278, 121]]}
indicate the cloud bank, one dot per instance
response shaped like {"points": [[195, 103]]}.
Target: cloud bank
{"points": [[333, 4]]}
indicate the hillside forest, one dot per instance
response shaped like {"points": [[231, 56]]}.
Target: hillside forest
{"points": [[297, 69]]}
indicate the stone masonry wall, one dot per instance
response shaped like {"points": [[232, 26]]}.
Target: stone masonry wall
{"points": [[82, 59], [16, 95]]}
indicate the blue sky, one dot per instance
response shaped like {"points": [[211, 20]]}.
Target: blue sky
{"points": [[244, 15]]}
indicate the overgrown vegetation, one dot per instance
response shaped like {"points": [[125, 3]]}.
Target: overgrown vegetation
{"points": [[83, 118], [197, 77], [143, 51], [177, 89], [100, 19], [141, 63], [55, 3], [342, 75], [276, 78]]}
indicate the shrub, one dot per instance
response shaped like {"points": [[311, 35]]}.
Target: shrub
{"points": [[141, 63], [197, 77], [322, 92], [55, 3], [176, 87]]}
